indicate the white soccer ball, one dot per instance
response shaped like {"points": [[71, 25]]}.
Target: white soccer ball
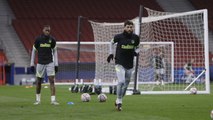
{"points": [[69, 88], [211, 114], [102, 97], [85, 97], [193, 90]]}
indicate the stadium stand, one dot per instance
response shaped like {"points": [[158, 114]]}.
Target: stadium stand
{"points": [[65, 9], [3, 60], [62, 16]]}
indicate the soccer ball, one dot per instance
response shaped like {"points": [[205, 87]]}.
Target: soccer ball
{"points": [[85, 97], [102, 97], [211, 114], [193, 90]]}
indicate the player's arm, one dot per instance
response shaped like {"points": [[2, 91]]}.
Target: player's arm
{"points": [[111, 50], [32, 61], [191, 70], [55, 55], [137, 50], [185, 65], [32, 56], [34, 50], [112, 47]]}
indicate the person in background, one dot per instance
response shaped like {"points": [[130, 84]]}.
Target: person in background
{"points": [[159, 66], [189, 72]]}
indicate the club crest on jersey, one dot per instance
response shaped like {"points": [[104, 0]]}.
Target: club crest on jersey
{"points": [[132, 41], [50, 40]]}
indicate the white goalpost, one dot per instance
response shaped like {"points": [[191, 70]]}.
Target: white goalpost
{"points": [[178, 37]]}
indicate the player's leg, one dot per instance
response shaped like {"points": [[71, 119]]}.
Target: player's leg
{"points": [[38, 91], [51, 76], [128, 74], [39, 74], [188, 78], [162, 71], [52, 85], [52, 89], [121, 81], [157, 76], [191, 77]]}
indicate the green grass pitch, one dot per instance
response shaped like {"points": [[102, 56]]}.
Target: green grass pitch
{"points": [[16, 103]]}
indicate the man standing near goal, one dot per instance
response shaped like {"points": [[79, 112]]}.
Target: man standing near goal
{"points": [[159, 66], [45, 46], [127, 43], [189, 72]]}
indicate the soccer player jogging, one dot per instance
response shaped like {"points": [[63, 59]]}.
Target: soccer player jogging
{"points": [[127, 43], [45, 46]]}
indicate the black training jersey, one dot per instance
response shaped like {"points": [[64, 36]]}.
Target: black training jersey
{"points": [[44, 46], [158, 62], [126, 45]]}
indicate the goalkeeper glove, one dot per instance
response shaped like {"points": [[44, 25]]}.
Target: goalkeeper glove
{"points": [[109, 58], [56, 69], [32, 68]]}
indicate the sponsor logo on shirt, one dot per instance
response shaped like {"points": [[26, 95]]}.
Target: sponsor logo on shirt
{"points": [[45, 45], [127, 46]]}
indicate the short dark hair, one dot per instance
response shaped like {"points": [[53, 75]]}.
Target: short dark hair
{"points": [[44, 26], [128, 22]]}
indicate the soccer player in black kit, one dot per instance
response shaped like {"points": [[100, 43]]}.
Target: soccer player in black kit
{"points": [[127, 43], [159, 64], [45, 46]]}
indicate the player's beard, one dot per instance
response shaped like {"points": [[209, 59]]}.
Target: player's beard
{"points": [[46, 37], [128, 34]]}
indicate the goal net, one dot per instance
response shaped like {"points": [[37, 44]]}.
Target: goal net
{"points": [[187, 32]]}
